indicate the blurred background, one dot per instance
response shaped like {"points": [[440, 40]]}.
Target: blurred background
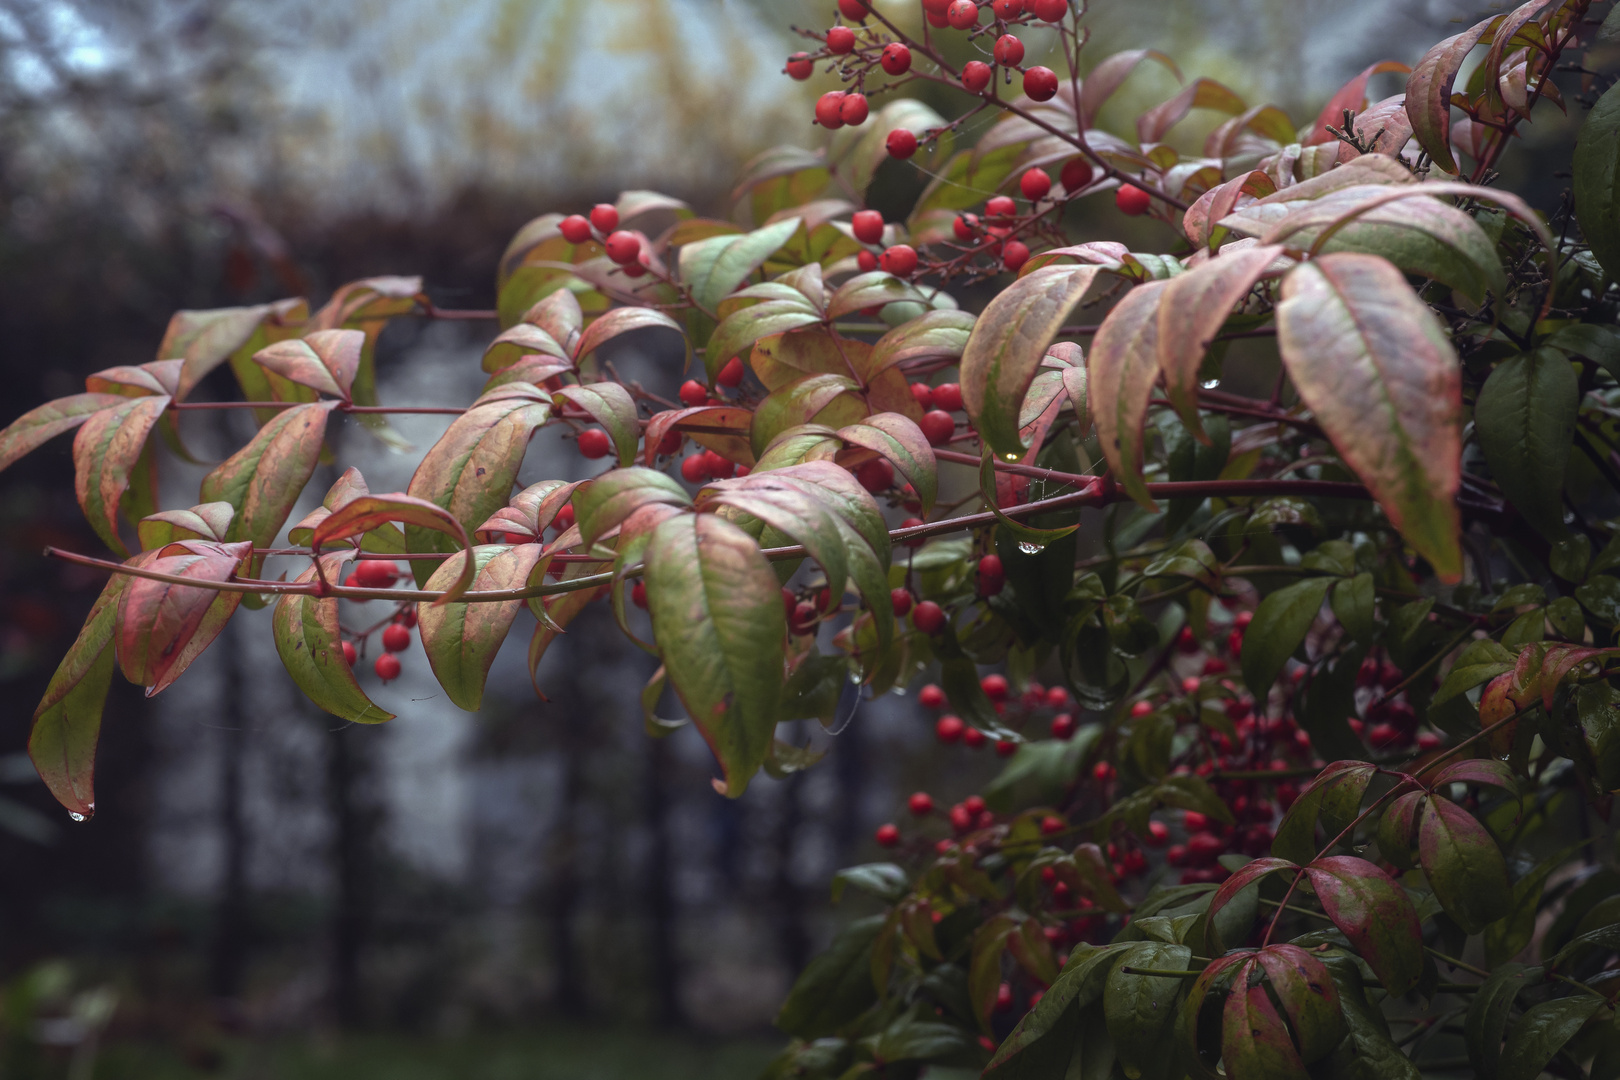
{"points": [[538, 889]]}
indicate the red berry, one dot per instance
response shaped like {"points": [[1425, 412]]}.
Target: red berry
{"points": [[623, 247], [604, 217], [408, 617], [900, 600], [1177, 855], [973, 738], [928, 617], [1014, 254], [896, 60], [901, 143], [1194, 821], [575, 228], [948, 396], [1040, 83], [912, 523], [1076, 174], [1215, 666], [1190, 684], [923, 394], [800, 66], [854, 9], [867, 225], [949, 729], [937, 20], [887, 835], [804, 618], [350, 654], [899, 260], [693, 393], [921, 803], [387, 667], [937, 425], [694, 469], [830, 109], [670, 443], [1132, 200], [594, 443], [931, 697], [840, 40], [1009, 51], [1048, 10], [1383, 736], [961, 820], [975, 76], [992, 577], [719, 468], [638, 594], [564, 518], [1006, 747], [1158, 833], [1008, 9], [1063, 726], [1001, 206], [1103, 771], [1035, 184], [1203, 847], [962, 14], [866, 261], [966, 226], [994, 687], [854, 110], [396, 638], [730, 373], [876, 475], [1004, 998]]}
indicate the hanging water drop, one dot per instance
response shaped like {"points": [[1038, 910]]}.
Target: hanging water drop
{"points": [[1029, 548], [1210, 384], [1011, 457], [75, 815]]}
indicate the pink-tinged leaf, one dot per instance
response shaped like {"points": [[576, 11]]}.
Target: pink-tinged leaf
{"points": [[1352, 96], [825, 399], [721, 428], [105, 452], [873, 289], [536, 370], [37, 426], [1371, 909], [162, 627], [1397, 830], [902, 443], [1308, 996], [1384, 128], [1110, 73], [1124, 366], [206, 339], [369, 299], [461, 640], [622, 321], [530, 512], [935, 335], [606, 501], [1378, 371], [67, 722], [790, 510], [1152, 125], [263, 480], [1219, 201], [1494, 73], [348, 487], [1428, 91], [310, 644], [1333, 796], [736, 335], [524, 341], [1234, 135], [154, 377], [610, 405], [1007, 344], [1192, 310], [1478, 771], [1464, 866], [326, 361], [367, 512], [1558, 661], [1242, 878], [1204, 1063], [559, 315], [208, 521], [1254, 1040], [717, 617]]}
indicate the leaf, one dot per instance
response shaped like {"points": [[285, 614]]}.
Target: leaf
{"points": [[461, 640], [1352, 96], [1123, 367], [366, 512], [1378, 371], [886, 881], [1367, 1052], [105, 452], [162, 627], [1152, 125], [1246, 875], [1597, 181], [610, 405], [1478, 771], [873, 289], [209, 521], [1007, 344], [37, 426], [826, 399], [901, 442], [471, 469], [206, 339], [737, 333], [1254, 1040], [325, 361], [1488, 1014], [712, 268], [1374, 913], [1542, 1031], [263, 480], [1354, 605], [935, 335], [607, 501], [623, 320], [717, 618], [1192, 310], [984, 965], [1525, 421], [1428, 91], [1110, 73], [1279, 626], [792, 511], [836, 986], [309, 642], [1463, 864], [1308, 997], [1334, 795], [1398, 830], [1077, 988], [1141, 1009]]}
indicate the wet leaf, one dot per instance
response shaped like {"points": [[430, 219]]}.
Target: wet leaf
{"points": [[1543, 1030], [1463, 864], [1597, 181], [1374, 912], [1123, 368], [1488, 1015], [309, 642], [1525, 421], [1334, 796], [1279, 626], [162, 627]]}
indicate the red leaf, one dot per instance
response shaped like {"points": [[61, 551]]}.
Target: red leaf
{"points": [[105, 451], [1371, 909], [1428, 91], [1353, 96], [1242, 878], [1254, 1040], [365, 513], [162, 627]]}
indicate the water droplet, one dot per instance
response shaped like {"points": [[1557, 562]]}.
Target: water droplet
{"points": [[75, 815], [1012, 457], [1210, 384], [1029, 548], [855, 677], [898, 691]]}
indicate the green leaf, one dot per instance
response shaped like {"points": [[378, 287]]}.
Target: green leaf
{"points": [[1008, 343], [607, 501], [712, 268], [1380, 375], [1333, 797], [823, 399], [461, 640], [718, 621], [1398, 830], [1355, 608], [309, 642], [1123, 367], [737, 333], [1596, 342], [1375, 914], [1509, 936], [1597, 181], [792, 511], [1279, 626], [935, 335], [37, 426], [886, 881], [326, 361], [1043, 1043], [1141, 1009], [1479, 663], [206, 339], [1023, 533], [623, 320], [1525, 420], [901, 442], [1245, 877], [1039, 773], [610, 405], [1367, 1052], [871, 290], [105, 453], [836, 986], [1542, 1031], [1488, 1015], [1308, 997], [1463, 864]]}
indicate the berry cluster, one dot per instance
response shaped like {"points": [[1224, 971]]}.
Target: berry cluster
{"points": [[621, 245], [1016, 711], [395, 632]]}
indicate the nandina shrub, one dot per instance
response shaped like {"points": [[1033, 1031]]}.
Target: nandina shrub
{"points": [[1321, 784]]}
